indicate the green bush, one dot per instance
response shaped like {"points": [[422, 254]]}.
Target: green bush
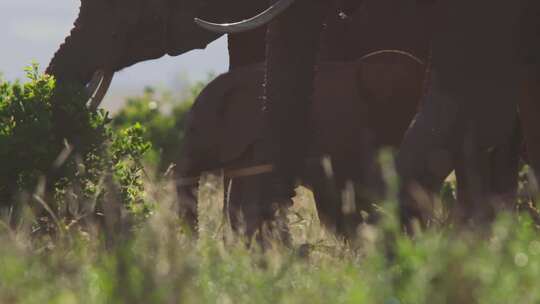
{"points": [[499, 263], [48, 132], [163, 117], [53, 147]]}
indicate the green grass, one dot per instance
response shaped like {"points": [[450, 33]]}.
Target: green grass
{"points": [[160, 263], [155, 260]]}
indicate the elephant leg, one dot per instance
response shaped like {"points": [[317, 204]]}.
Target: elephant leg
{"points": [[292, 45], [505, 160], [529, 101], [529, 111], [326, 194], [244, 212], [336, 206], [242, 208], [344, 196], [472, 174], [352, 206], [246, 215], [187, 206], [361, 185], [425, 158], [487, 179]]}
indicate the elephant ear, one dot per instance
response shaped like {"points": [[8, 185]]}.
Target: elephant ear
{"points": [[337, 109], [391, 83], [241, 114]]}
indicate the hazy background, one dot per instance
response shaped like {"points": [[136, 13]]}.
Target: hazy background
{"points": [[31, 30]]}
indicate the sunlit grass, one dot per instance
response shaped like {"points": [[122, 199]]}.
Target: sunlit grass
{"points": [[161, 264], [111, 258]]}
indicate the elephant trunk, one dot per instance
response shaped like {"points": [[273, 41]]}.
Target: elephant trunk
{"points": [[68, 64], [75, 60], [83, 58], [290, 72]]}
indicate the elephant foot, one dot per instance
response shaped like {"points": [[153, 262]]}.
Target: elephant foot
{"points": [[275, 227], [187, 208], [258, 212], [279, 193], [277, 200]]}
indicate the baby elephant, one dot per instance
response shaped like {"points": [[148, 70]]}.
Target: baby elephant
{"points": [[358, 108]]}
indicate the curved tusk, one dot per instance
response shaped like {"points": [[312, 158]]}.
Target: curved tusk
{"points": [[104, 85], [92, 86], [248, 24], [398, 52]]}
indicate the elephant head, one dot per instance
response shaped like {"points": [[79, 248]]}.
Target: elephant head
{"points": [[220, 127], [224, 120], [344, 7], [109, 35]]}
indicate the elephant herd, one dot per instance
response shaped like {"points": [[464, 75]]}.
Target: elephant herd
{"points": [[317, 87]]}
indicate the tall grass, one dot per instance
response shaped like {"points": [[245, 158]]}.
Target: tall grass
{"points": [[161, 263], [105, 258]]}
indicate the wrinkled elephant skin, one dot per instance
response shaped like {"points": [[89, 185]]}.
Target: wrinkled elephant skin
{"points": [[112, 35], [358, 108], [469, 111], [529, 103]]}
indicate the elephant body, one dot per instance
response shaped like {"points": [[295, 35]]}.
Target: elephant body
{"points": [[375, 25], [470, 108], [108, 36], [529, 103], [295, 41], [111, 35], [358, 108], [469, 113], [468, 119]]}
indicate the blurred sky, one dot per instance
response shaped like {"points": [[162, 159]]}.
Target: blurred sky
{"points": [[31, 30]]}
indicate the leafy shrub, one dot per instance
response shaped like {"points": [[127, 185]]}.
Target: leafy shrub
{"points": [[51, 142], [163, 118]]}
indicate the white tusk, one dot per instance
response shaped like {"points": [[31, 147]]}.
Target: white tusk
{"points": [[248, 24], [92, 86], [398, 52], [104, 85]]}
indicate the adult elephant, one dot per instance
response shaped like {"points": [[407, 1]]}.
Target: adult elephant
{"points": [[529, 105], [293, 37], [111, 35], [223, 130], [292, 48], [468, 120]]}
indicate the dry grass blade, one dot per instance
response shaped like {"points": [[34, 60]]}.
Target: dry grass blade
{"points": [[45, 206], [63, 156], [6, 227]]}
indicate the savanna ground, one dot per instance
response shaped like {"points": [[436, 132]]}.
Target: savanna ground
{"points": [[130, 247]]}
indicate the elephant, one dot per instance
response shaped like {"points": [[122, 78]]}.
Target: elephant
{"points": [[111, 35], [529, 102], [224, 130], [295, 29], [468, 119]]}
